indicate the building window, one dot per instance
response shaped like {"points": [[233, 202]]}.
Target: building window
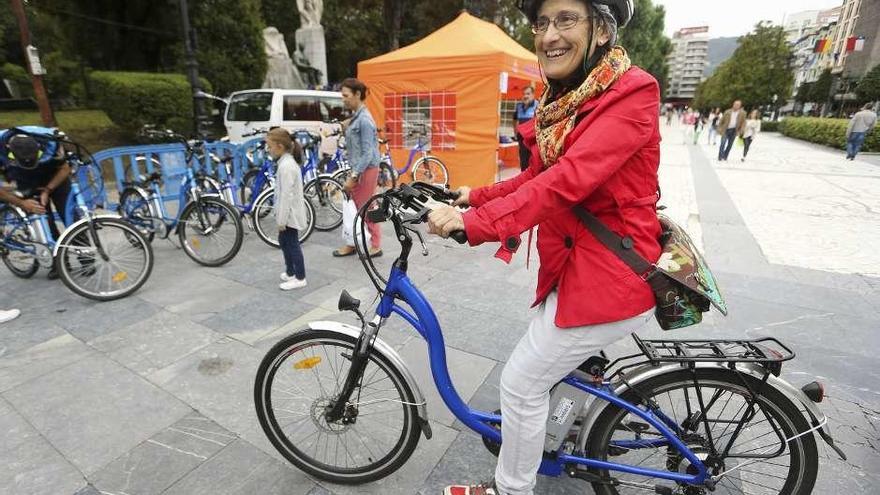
{"points": [[507, 110], [431, 114]]}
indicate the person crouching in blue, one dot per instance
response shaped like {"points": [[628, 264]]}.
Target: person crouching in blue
{"points": [[39, 170]]}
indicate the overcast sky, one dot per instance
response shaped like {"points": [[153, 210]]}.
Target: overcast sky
{"points": [[733, 17]]}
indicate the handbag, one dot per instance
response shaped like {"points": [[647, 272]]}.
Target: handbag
{"points": [[351, 227], [683, 286]]}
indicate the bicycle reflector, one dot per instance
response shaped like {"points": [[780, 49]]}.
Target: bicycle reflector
{"points": [[307, 363], [814, 390]]}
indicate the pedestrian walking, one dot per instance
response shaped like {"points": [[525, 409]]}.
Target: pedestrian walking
{"points": [[712, 121], [751, 129], [525, 111], [290, 211], [699, 124], [859, 126], [361, 142], [731, 125], [8, 315]]}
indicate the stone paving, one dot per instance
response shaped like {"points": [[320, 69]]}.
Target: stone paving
{"points": [[153, 394]]}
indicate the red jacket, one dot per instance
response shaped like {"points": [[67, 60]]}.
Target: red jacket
{"points": [[609, 165]]}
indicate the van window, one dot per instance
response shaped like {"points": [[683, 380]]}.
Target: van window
{"points": [[332, 109], [250, 107], [301, 108]]}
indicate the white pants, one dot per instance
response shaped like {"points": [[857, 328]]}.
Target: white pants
{"points": [[545, 355]]}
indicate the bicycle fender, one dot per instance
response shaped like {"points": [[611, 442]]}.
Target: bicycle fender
{"points": [[62, 239], [387, 351], [647, 371]]}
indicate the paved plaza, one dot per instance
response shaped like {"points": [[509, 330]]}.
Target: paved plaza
{"points": [[153, 394]]}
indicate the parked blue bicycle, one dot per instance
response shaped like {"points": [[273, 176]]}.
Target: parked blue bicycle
{"points": [[257, 191], [678, 417], [98, 256], [208, 228]]}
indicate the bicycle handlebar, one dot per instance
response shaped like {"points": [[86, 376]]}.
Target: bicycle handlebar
{"points": [[417, 196]]}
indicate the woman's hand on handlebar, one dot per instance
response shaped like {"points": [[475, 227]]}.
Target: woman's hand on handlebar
{"points": [[464, 196], [444, 220]]}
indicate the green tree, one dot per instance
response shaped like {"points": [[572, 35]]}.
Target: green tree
{"points": [[869, 86], [230, 53], [758, 69], [821, 88], [645, 42], [283, 15], [805, 92]]}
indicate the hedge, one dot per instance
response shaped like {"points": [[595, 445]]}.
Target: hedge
{"points": [[132, 99], [769, 126], [830, 132]]}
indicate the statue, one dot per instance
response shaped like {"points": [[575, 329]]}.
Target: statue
{"points": [[310, 12], [281, 72], [310, 75]]}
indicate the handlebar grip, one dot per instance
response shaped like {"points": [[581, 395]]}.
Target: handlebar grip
{"points": [[460, 236]]}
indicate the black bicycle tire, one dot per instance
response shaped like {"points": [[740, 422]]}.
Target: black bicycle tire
{"points": [[127, 192], [409, 436], [66, 278], [235, 217], [25, 274], [314, 183], [607, 420]]}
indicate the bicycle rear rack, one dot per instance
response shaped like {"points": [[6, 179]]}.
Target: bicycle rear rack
{"points": [[766, 350]]}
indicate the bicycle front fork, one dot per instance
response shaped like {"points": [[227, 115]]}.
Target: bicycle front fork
{"points": [[339, 407]]}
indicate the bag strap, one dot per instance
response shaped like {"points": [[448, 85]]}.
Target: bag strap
{"points": [[620, 246]]}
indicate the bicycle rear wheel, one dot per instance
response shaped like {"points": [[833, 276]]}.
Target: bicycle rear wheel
{"points": [[296, 381], [134, 207], [210, 231], [263, 216], [82, 268], [431, 170], [15, 239], [789, 469], [326, 195]]}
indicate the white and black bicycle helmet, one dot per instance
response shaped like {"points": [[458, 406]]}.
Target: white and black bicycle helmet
{"points": [[622, 9]]}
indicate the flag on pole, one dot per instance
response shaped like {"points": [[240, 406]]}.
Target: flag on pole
{"points": [[822, 46], [860, 44], [851, 44]]}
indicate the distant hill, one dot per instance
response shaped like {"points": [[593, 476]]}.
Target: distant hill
{"points": [[720, 49]]}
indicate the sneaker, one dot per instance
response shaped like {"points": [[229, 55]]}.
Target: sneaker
{"points": [[481, 489], [285, 277], [8, 315], [293, 283]]}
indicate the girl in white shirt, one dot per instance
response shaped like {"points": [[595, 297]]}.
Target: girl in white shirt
{"points": [[751, 129], [290, 212]]}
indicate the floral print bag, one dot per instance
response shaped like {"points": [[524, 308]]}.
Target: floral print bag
{"points": [[684, 287]]}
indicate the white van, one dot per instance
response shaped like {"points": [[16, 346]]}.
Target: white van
{"points": [[291, 109]]}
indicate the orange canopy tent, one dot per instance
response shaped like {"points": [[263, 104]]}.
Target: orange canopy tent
{"points": [[453, 82]]}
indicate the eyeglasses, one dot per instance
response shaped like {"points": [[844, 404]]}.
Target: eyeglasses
{"points": [[562, 22]]}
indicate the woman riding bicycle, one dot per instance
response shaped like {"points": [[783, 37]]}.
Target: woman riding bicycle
{"points": [[594, 143]]}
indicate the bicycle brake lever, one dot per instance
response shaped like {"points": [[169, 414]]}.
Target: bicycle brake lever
{"points": [[421, 240]]}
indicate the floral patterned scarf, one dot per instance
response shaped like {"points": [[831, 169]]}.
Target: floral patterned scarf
{"points": [[555, 120]]}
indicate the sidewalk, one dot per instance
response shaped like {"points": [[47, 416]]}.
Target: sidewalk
{"points": [[153, 394]]}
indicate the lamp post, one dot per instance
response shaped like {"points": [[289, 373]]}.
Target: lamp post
{"points": [[192, 67]]}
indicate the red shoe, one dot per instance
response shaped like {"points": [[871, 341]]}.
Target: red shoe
{"points": [[481, 489]]}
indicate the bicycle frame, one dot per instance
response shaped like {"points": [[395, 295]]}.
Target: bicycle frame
{"points": [[229, 190], [419, 148], [424, 320], [157, 204]]}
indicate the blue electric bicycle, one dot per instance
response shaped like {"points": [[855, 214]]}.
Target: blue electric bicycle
{"points": [[208, 228], [678, 417], [98, 256]]}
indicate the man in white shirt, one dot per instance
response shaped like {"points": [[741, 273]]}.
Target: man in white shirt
{"points": [[859, 127], [730, 126]]}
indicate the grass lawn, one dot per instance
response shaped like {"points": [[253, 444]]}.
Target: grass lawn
{"points": [[91, 128]]}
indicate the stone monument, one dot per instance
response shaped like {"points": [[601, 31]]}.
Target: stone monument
{"points": [[281, 73], [310, 39]]}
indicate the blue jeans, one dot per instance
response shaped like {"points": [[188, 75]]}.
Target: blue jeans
{"points": [[726, 143], [854, 143], [293, 255]]}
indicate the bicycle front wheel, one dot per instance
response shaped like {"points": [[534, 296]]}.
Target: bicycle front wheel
{"points": [[263, 216], [431, 170], [104, 259], [757, 458], [297, 380], [326, 196], [210, 231]]}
